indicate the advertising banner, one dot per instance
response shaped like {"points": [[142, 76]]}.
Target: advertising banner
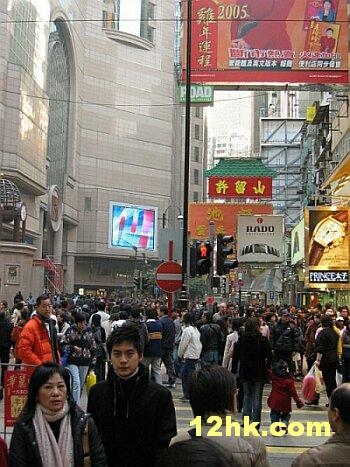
{"points": [[298, 245], [327, 247], [15, 395], [294, 41], [240, 187], [223, 215], [260, 239]]}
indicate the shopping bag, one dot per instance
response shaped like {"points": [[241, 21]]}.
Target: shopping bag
{"points": [[91, 380], [339, 378], [320, 386], [309, 385]]}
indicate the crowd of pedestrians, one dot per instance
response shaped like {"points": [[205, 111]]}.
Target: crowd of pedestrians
{"points": [[223, 358]]}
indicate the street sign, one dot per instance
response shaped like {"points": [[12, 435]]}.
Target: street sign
{"points": [[169, 276], [272, 295]]}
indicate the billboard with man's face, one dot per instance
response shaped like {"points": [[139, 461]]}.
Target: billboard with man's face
{"points": [[294, 41]]}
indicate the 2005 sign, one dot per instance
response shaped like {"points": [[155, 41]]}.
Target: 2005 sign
{"points": [[233, 12]]}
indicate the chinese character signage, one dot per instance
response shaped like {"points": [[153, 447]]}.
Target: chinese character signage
{"points": [[295, 41], [260, 239], [224, 217], [200, 94], [15, 395], [240, 187], [327, 246]]}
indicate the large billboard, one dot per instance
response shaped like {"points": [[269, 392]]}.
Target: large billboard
{"points": [[224, 216], [260, 239], [297, 253], [132, 226], [327, 247], [255, 41]]}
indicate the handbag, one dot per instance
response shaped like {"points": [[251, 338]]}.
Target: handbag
{"points": [[91, 380]]}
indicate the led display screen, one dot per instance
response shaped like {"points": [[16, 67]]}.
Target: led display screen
{"points": [[133, 226]]}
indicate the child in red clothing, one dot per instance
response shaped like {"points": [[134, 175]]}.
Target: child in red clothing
{"points": [[282, 392]]}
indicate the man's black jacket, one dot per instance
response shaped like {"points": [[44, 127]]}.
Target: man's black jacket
{"points": [[135, 418], [285, 337]]}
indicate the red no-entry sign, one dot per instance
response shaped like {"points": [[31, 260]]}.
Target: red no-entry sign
{"points": [[169, 276]]}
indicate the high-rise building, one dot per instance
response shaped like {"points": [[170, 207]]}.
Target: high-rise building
{"points": [[89, 117]]}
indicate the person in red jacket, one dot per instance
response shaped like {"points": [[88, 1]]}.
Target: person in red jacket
{"points": [[264, 27], [38, 340], [3, 453], [282, 392]]}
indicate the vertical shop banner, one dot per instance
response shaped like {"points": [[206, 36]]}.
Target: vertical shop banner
{"points": [[295, 41], [327, 247], [15, 395], [297, 252], [260, 239]]}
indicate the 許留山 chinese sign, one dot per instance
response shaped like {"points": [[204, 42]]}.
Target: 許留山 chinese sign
{"points": [[240, 187]]}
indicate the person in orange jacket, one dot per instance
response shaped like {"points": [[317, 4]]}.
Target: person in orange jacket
{"points": [[38, 341], [264, 26]]}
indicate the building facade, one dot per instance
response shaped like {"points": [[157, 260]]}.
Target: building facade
{"points": [[87, 118]]}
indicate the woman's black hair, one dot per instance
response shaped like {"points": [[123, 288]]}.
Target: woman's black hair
{"points": [[211, 390], [125, 334], [196, 452], [40, 376], [80, 317], [252, 326], [96, 320], [326, 321]]}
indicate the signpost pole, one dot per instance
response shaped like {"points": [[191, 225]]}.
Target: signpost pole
{"points": [[170, 295], [187, 141], [211, 273]]}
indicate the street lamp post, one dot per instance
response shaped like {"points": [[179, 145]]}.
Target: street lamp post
{"points": [[187, 142]]}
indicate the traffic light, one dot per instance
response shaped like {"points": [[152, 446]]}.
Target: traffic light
{"points": [[203, 262], [137, 282], [193, 260], [145, 283], [223, 264]]}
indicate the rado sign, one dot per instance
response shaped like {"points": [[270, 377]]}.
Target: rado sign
{"points": [[260, 239], [260, 229]]}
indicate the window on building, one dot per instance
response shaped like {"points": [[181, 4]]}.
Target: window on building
{"points": [[198, 112], [195, 196], [196, 176], [87, 206], [134, 17], [196, 131], [196, 154]]}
